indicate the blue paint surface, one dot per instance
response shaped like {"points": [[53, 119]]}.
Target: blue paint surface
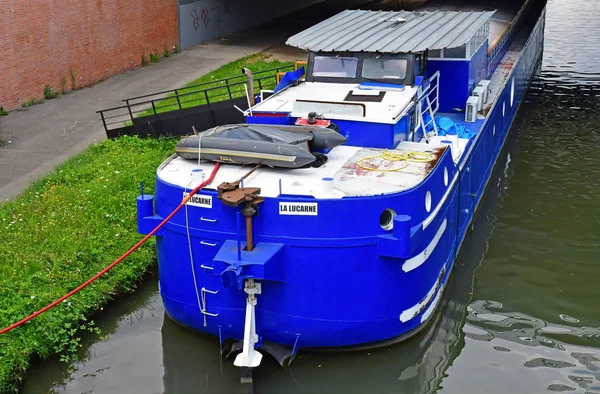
{"points": [[289, 78], [308, 282], [270, 118], [365, 134], [478, 67], [454, 82], [335, 279], [379, 85], [458, 78]]}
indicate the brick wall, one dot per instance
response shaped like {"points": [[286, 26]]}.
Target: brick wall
{"points": [[45, 42]]}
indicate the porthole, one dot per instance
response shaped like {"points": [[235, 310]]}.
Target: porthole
{"points": [[445, 176], [386, 219], [503, 107], [494, 131], [428, 201]]}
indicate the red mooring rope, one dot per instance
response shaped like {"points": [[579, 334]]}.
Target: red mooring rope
{"points": [[117, 261]]}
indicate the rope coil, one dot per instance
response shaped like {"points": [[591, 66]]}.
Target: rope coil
{"points": [[387, 156]]}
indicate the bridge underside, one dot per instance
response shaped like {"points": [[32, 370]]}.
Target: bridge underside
{"points": [[204, 20]]}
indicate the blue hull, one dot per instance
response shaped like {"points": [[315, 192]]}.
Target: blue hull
{"points": [[335, 279]]}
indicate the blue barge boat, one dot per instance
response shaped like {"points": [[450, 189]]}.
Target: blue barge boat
{"points": [[353, 252]]}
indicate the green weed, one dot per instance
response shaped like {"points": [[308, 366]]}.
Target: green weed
{"points": [[3, 111], [73, 79], [60, 231], [49, 92], [154, 58], [166, 52], [30, 102]]}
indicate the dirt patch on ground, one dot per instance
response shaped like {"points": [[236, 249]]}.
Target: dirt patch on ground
{"points": [[286, 53]]}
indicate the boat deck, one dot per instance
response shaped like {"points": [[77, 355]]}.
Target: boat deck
{"points": [[313, 96], [349, 178]]}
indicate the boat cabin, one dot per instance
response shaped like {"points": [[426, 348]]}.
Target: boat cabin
{"points": [[358, 67], [380, 75]]}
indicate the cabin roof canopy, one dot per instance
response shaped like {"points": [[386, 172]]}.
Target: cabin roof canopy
{"points": [[391, 31]]}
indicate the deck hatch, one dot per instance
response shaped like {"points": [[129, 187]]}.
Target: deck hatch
{"points": [[354, 96]]}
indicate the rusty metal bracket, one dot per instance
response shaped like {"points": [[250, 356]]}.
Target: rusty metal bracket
{"points": [[232, 195], [226, 187]]}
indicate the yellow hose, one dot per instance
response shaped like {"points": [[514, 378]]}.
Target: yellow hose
{"points": [[414, 156]]}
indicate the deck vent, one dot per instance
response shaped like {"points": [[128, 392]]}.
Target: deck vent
{"points": [[479, 92], [471, 110], [485, 83], [395, 22]]}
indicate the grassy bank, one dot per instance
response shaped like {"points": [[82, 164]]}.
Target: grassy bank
{"points": [[189, 96], [62, 230], [65, 228]]}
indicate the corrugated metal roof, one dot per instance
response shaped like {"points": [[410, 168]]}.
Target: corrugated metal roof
{"points": [[390, 31]]}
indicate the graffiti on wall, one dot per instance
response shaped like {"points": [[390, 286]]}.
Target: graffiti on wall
{"points": [[204, 16], [210, 19], [195, 22]]}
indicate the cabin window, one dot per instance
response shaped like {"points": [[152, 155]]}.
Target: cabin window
{"points": [[384, 68], [435, 53], [341, 67]]}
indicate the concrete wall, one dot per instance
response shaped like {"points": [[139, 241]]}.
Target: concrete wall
{"points": [[210, 19], [42, 41]]}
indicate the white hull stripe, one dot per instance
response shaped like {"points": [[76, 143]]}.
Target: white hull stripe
{"points": [[433, 305], [433, 214], [419, 259], [415, 310]]}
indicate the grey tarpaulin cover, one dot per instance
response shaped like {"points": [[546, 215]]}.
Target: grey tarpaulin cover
{"points": [[266, 133], [271, 145]]}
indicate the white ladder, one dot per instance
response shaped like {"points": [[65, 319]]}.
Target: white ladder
{"points": [[432, 106], [434, 132]]}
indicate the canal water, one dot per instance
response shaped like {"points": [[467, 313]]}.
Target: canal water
{"points": [[521, 311]]}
